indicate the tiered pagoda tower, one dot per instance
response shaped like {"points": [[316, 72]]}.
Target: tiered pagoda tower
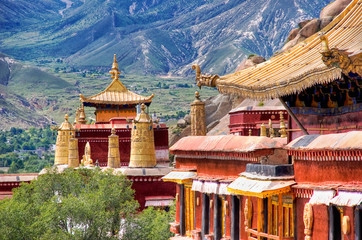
{"points": [[122, 139], [115, 107]]}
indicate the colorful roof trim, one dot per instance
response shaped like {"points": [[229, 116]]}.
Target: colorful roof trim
{"points": [[297, 69], [340, 141]]}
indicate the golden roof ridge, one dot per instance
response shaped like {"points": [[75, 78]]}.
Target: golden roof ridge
{"points": [[116, 92]]}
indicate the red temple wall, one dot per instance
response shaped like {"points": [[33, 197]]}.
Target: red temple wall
{"points": [[98, 140], [334, 171], [339, 123], [242, 121], [256, 116], [300, 202], [149, 187], [212, 167], [198, 211], [320, 222]]}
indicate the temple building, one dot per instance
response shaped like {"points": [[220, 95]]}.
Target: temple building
{"points": [[115, 107], [123, 138], [303, 181]]}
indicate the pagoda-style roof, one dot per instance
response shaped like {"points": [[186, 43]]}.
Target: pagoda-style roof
{"points": [[116, 93], [302, 66]]}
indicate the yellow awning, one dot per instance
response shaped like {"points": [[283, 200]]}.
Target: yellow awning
{"points": [[259, 188], [179, 177]]}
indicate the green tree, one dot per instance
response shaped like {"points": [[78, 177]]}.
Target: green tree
{"points": [[75, 204], [149, 225]]}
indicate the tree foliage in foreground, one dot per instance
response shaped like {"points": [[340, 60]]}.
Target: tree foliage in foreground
{"points": [[76, 204], [151, 224]]}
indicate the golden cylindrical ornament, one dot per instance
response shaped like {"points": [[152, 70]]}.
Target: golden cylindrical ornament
{"points": [[65, 133], [142, 141], [114, 160], [73, 160], [198, 120]]}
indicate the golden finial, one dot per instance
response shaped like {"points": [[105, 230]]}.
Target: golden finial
{"points": [[324, 44], [249, 132], [143, 107], [66, 117], [115, 64], [115, 71], [262, 130], [197, 95], [283, 132], [113, 131], [271, 130]]}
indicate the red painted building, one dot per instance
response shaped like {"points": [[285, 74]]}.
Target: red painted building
{"points": [[315, 190], [205, 166]]}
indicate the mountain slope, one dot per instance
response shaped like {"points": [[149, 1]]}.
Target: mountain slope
{"points": [[151, 36]]}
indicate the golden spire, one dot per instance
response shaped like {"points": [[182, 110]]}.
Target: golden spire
{"points": [[198, 122], [114, 71], [249, 132], [76, 119], [262, 130], [81, 117], [283, 132], [65, 133], [271, 130], [142, 141], [114, 160]]}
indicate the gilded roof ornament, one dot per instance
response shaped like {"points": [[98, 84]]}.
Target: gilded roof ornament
{"points": [[204, 79], [262, 130], [271, 130], [66, 125], [349, 63], [298, 68], [116, 93], [114, 72], [282, 131]]}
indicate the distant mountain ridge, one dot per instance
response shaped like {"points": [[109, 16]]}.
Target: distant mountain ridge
{"points": [[150, 36]]}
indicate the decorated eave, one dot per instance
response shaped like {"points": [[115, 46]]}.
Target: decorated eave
{"points": [[116, 93], [337, 147], [227, 147], [309, 63]]}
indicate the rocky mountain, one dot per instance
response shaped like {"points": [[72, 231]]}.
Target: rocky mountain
{"points": [[150, 36], [27, 95]]}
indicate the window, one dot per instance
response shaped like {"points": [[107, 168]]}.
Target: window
{"points": [[288, 219], [271, 211]]}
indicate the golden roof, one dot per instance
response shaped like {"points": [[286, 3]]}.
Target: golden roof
{"points": [[116, 93], [298, 68], [66, 125]]}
